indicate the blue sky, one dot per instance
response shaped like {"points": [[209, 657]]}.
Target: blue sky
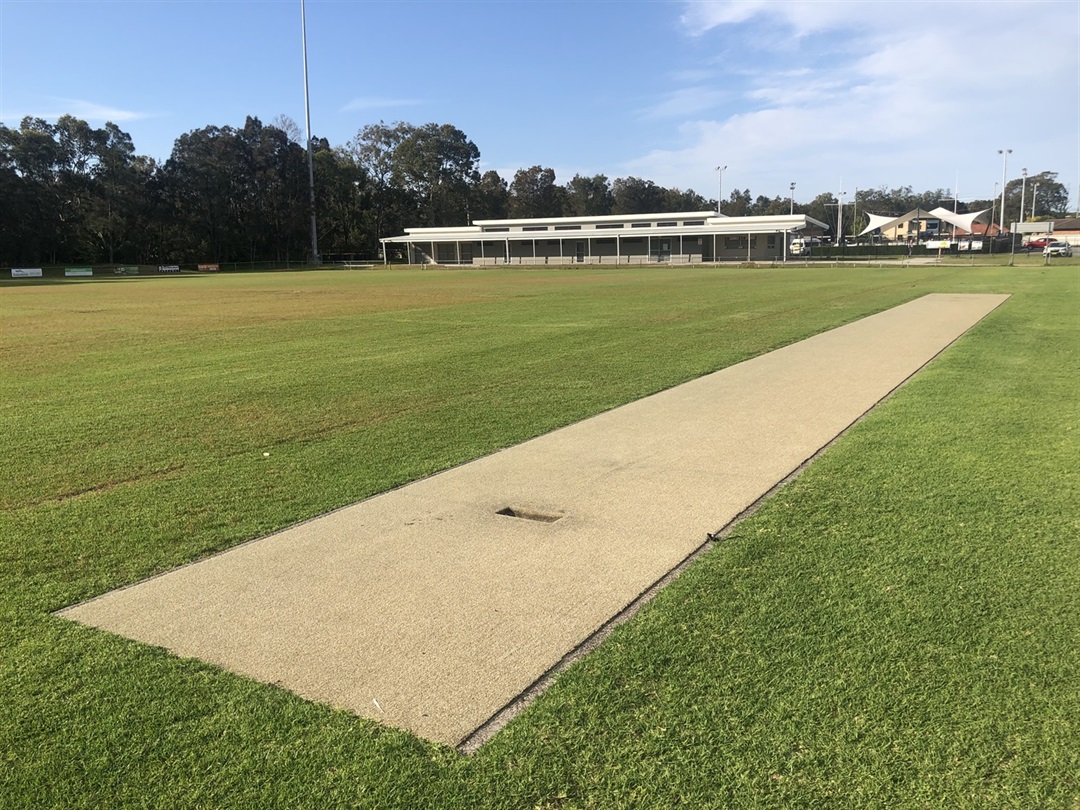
{"points": [[825, 94]]}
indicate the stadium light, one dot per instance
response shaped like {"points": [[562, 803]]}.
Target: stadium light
{"points": [[719, 187], [791, 198], [307, 121], [1023, 191], [1004, 162]]}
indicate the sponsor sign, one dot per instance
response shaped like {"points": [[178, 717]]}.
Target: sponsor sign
{"points": [[78, 271], [26, 272], [938, 243], [208, 268], [126, 271], [168, 268], [976, 244]]}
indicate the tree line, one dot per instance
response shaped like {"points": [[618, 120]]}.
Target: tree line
{"points": [[73, 193]]}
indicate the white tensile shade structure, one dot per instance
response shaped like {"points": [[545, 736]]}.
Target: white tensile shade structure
{"points": [[961, 221]]}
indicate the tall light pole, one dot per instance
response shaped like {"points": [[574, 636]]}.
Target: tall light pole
{"points": [[992, 212], [840, 216], [1034, 194], [1004, 162], [307, 119], [1023, 191], [719, 186], [791, 199]]}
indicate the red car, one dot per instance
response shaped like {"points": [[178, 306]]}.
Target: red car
{"points": [[1037, 244]]}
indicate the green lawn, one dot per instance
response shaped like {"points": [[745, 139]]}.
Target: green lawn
{"points": [[899, 627]]}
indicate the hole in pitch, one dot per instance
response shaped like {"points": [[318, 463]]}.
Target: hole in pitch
{"points": [[528, 514]]}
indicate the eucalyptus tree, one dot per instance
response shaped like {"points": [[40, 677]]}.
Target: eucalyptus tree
{"points": [[678, 200], [489, 197], [738, 203], [1050, 198], [533, 193], [589, 196], [342, 195], [118, 214], [237, 194], [437, 163], [632, 195], [70, 192], [28, 210], [373, 150]]}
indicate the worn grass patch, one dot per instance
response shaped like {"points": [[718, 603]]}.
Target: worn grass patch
{"points": [[898, 627]]}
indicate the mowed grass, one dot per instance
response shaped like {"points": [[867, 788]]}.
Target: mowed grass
{"points": [[899, 627]]}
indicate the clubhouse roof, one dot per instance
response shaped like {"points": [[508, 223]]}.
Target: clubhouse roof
{"points": [[685, 237]]}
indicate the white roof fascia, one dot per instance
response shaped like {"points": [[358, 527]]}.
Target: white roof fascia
{"points": [[604, 218], [442, 230]]}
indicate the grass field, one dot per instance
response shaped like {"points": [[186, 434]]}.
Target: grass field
{"points": [[899, 627]]}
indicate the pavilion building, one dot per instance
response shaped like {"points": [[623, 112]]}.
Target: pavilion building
{"points": [[677, 238]]}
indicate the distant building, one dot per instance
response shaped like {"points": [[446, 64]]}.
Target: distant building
{"points": [[679, 238], [1062, 230]]}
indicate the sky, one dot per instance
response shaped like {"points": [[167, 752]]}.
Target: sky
{"points": [[831, 95]]}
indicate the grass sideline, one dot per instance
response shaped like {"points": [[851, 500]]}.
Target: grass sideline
{"points": [[897, 627]]}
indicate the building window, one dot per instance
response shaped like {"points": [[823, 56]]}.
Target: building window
{"points": [[496, 230], [568, 227], [770, 241], [666, 224], [641, 225], [609, 225], [535, 228], [694, 222]]}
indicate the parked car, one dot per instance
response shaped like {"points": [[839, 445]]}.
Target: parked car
{"points": [[1058, 249], [1036, 244]]}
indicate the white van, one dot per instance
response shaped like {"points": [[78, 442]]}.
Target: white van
{"points": [[799, 247]]}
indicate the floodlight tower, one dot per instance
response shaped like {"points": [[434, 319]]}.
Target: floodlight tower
{"points": [[1004, 163], [791, 199], [1023, 191], [307, 132], [719, 187]]}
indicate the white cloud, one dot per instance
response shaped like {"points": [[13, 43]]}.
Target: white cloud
{"points": [[686, 101], [89, 111], [891, 94], [801, 18]]}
